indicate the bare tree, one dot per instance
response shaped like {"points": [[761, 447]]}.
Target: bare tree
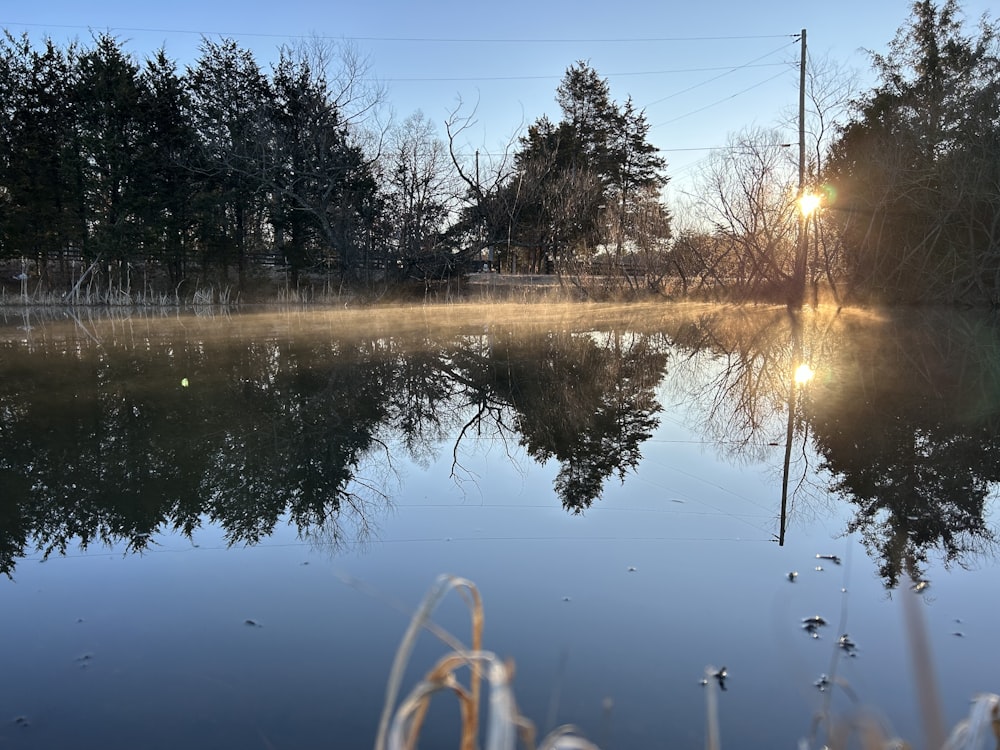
{"points": [[491, 199], [831, 89], [421, 192], [350, 85], [651, 232], [747, 197]]}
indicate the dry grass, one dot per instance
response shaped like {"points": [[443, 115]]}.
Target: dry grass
{"points": [[118, 298], [501, 724]]}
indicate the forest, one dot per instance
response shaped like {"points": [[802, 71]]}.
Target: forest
{"points": [[135, 181]]}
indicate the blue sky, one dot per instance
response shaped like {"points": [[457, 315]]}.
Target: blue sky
{"points": [[701, 70]]}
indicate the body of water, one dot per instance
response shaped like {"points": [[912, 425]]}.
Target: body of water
{"points": [[215, 529]]}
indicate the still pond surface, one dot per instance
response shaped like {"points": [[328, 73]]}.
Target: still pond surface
{"points": [[214, 528]]}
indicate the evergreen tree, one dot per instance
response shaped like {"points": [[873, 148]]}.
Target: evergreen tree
{"points": [[322, 190], [297, 109], [916, 171], [593, 172], [560, 194], [230, 99], [168, 148], [637, 171], [105, 98], [590, 114], [38, 198]]}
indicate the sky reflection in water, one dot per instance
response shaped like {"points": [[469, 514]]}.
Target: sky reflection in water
{"points": [[611, 478]]}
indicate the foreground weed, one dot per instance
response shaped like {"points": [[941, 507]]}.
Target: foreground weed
{"points": [[401, 721], [503, 725]]}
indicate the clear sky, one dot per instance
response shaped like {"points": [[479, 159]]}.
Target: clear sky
{"points": [[700, 69]]}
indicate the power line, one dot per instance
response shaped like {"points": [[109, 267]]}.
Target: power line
{"points": [[717, 147], [471, 79], [725, 70], [558, 77], [723, 147], [432, 40], [748, 64], [719, 101], [564, 40]]}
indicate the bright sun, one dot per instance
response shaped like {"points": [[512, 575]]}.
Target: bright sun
{"points": [[808, 203], [803, 374]]}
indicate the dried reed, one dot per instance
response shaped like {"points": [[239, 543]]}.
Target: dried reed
{"points": [[401, 722]]}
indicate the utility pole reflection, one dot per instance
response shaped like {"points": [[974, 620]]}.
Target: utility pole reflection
{"points": [[795, 379]]}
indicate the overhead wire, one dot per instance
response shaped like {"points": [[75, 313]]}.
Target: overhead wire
{"points": [[408, 39], [518, 539], [552, 76], [725, 70], [720, 101], [753, 63], [748, 64]]}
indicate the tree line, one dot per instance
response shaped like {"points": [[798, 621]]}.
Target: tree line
{"points": [[225, 167], [220, 165], [108, 159]]}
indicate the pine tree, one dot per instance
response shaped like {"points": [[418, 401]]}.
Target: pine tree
{"points": [[916, 170], [168, 147], [594, 168], [230, 97], [39, 198], [106, 97]]}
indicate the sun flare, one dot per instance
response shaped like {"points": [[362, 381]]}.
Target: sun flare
{"points": [[809, 202], [803, 374]]}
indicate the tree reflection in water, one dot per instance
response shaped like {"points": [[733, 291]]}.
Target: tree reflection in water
{"points": [[301, 417], [908, 424], [587, 400], [903, 412]]}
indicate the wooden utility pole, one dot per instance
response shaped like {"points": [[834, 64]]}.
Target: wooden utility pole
{"points": [[799, 272], [802, 114]]}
